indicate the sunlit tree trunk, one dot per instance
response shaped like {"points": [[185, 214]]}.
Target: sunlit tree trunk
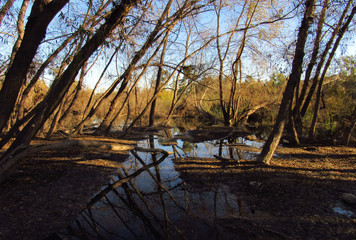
{"points": [[125, 77], [321, 62], [351, 128], [54, 123], [294, 79], [229, 108], [5, 9], [222, 55], [128, 94], [173, 102], [232, 108], [59, 117], [291, 128], [158, 81], [327, 64], [20, 29], [299, 98]]}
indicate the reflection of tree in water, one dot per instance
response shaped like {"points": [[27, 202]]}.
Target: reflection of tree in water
{"points": [[169, 210], [187, 147]]}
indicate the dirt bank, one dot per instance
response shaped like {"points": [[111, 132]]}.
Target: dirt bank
{"points": [[296, 197]]}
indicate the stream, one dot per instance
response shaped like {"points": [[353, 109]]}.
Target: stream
{"points": [[153, 202], [158, 193]]}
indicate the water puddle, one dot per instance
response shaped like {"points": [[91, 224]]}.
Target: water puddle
{"points": [[340, 208], [147, 199]]}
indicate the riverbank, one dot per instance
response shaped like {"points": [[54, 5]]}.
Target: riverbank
{"points": [[51, 188], [298, 197]]}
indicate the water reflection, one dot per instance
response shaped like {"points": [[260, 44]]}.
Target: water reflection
{"points": [[340, 208], [227, 148], [148, 200], [168, 190]]}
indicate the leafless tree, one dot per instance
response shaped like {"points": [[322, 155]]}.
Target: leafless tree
{"points": [[294, 79]]}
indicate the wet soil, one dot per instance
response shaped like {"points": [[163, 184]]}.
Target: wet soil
{"points": [[51, 188], [294, 198]]}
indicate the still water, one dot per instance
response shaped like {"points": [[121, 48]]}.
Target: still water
{"points": [[147, 199]]}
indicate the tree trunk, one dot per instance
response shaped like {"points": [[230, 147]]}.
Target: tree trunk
{"points": [[20, 29], [41, 15], [321, 81], [299, 100], [352, 127], [106, 125], [59, 117], [60, 87], [109, 91], [174, 102], [5, 9], [321, 62], [111, 116], [175, 97], [231, 109], [40, 71], [158, 81], [54, 123], [294, 79], [45, 64], [294, 138], [76, 95], [125, 77]]}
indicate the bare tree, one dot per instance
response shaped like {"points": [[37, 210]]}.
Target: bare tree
{"points": [[164, 24], [76, 38], [322, 58], [59, 117], [296, 117], [158, 81], [226, 108], [230, 51], [41, 15], [322, 77], [126, 76], [294, 79], [61, 85]]}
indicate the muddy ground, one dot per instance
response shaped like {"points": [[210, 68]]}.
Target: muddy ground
{"points": [[294, 198]]}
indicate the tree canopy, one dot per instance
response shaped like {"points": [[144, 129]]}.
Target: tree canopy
{"points": [[67, 64]]}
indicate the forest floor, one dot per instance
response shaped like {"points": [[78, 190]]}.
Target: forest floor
{"points": [[298, 197]]}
